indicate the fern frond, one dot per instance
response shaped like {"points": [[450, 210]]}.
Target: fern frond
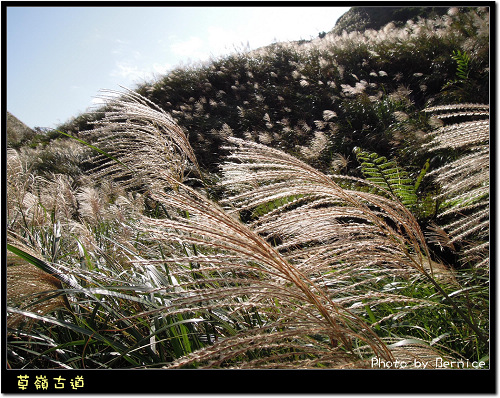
{"points": [[463, 60], [388, 175]]}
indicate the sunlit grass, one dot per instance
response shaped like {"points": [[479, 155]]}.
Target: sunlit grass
{"points": [[180, 244]]}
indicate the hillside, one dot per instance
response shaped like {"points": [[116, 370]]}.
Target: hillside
{"points": [[316, 204], [343, 91], [362, 18], [17, 131]]}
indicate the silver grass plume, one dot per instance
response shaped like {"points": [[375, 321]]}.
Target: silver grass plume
{"points": [[343, 240], [241, 271], [465, 181], [292, 303], [219, 264], [144, 138], [32, 289]]}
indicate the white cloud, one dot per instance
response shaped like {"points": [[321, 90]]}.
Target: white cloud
{"points": [[194, 48], [224, 41], [129, 73], [125, 70], [216, 42], [161, 68]]}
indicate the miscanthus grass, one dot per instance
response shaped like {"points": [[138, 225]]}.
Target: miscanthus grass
{"points": [[139, 266]]}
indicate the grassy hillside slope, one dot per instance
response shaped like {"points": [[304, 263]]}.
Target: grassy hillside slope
{"points": [[17, 131], [362, 18], [322, 98]]}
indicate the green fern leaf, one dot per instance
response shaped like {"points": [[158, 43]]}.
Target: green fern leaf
{"points": [[388, 175], [463, 60]]}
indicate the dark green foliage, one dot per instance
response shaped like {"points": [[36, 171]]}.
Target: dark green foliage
{"points": [[468, 83], [265, 208]]}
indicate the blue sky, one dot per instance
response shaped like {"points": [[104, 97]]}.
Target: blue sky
{"points": [[58, 58]]}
